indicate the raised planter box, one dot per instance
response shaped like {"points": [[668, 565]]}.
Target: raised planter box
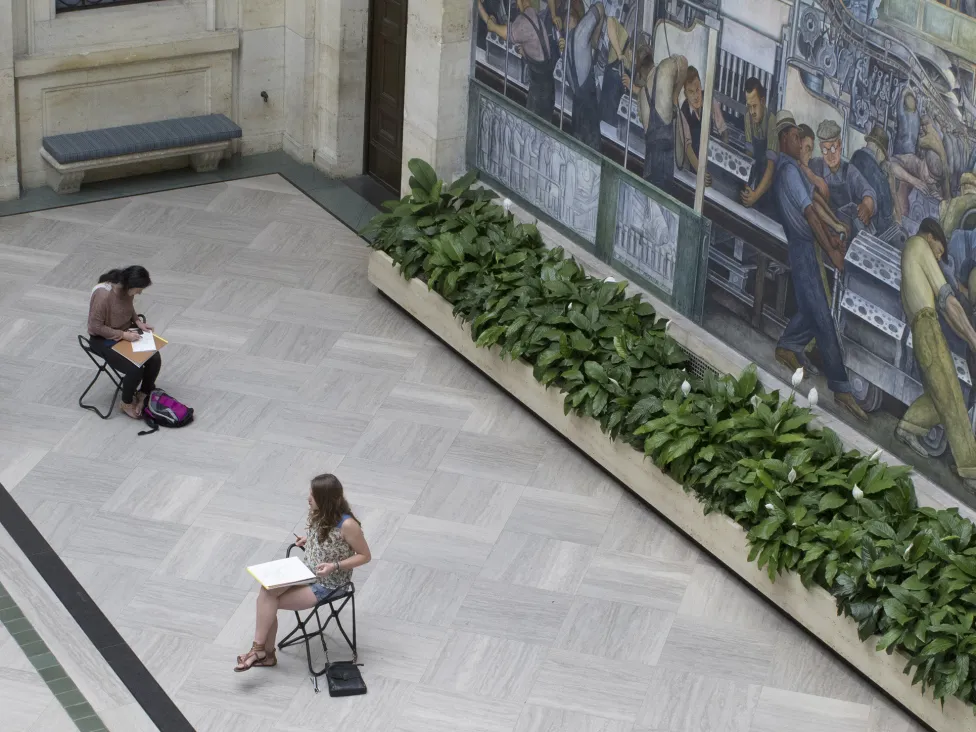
{"points": [[814, 609]]}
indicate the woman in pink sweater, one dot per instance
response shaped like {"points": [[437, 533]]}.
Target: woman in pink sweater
{"points": [[112, 318]]}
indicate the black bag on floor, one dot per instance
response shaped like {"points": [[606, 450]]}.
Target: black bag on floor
{"points": [[345, 679]]}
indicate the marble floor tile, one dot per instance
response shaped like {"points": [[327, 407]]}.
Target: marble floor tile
{"points": [[262, 693], [280, 473], [238, 229], [316, 310], [233, 296], [265, 183], [778, 710], [508, 611], [189, 366], [563, 516], [565, 469], [14, 374], [382, 485], [479, 456], [181, 607], [379, 525], [216, 719], [596, 686], [234, 512], [468, 500], [30, 263], [312, 428], [375, 354], [16, 461], [290, 342], [52, 305], [130, 717], [239, 200], [528, 560], [715, 593], [212, 330], [380, 317], [256, 376], [172, 287], [443, 545], [217, 558], [716, 649], [635, 529], [123, 540], [425, 404], [196, 197], [433, 366], [55, 520], [431, 710], [638, 580], [168, 657], [273, 268], [200, 453], [111, 586], [414, 594], [344, 274], [227, 413], [75, 480], [803, 664], [41, 231], [349, 389], [142, 216], [23, 697], [53, 719], [886, 717], [378, 711], [544, 719], [685, 702], [404, 444], [58, 385], [295, 238], [397, 649], [208, 258], [615, 630], [486, 666]]}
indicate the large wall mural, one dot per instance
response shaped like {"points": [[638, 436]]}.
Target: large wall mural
{"points": [[841, 181]]}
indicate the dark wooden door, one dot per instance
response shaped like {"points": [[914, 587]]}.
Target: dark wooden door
{"points": [[387, 56]]}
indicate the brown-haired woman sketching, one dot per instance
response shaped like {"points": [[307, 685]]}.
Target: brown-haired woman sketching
{"points": [[334, 546]]}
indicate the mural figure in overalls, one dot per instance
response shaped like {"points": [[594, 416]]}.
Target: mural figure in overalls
{"points": [[658, 112], [871, 161], [844, 181], [764, 145], [925, 294], [529, 36], [580, 51], [691, 120], [805, 231], [620, 56]]}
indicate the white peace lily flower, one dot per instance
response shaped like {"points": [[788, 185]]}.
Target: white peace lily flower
{"points": [[609, 279], [507, 204], [909, 549], [754, 400], [797, 377], [813, 397], [685, 388], [876, 454], [770, 507], [857, 493], [614, 381], [667, 324], [792, 475]]}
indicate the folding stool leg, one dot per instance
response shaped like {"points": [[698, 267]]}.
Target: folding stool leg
{"points": [[115, 395]]}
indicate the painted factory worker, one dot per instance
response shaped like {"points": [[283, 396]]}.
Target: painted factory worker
{"points": [[804, 232], [658, 113], [529, 36], [620, 57], [871, 161], [953, 211], [581, 47], [691, 120], [845, 182], [924, 294], [762, 139]]}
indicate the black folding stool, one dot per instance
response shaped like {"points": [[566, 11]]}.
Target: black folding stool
{"points": [[105, 368], [347, 594]]}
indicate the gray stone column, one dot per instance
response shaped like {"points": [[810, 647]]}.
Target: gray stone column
{"points": [[300, 78], [9, 180], [435, 114], [340, 85]]}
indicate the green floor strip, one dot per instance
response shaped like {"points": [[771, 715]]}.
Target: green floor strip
{"points": [[47, 666]]}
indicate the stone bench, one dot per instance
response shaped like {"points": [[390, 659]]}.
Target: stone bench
{"points": [[204, 139]]}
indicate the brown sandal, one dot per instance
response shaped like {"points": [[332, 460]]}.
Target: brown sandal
{"points": [[267, 660]]}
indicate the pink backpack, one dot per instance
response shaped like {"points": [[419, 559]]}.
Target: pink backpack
{"points": [[162, 409]]}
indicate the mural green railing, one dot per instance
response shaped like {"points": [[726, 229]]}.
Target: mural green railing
{"points": [[655, 241], [942, 25]]}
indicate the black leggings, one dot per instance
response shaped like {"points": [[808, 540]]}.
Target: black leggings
{"points": [[132, 373]]}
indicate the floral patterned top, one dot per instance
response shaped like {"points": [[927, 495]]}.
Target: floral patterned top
{"points": [[333, 549]]}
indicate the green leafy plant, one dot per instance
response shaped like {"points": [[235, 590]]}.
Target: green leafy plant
{"points": [[837, 518]]}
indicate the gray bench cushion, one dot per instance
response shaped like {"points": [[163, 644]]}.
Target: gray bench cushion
{"points": [[77, 147]]}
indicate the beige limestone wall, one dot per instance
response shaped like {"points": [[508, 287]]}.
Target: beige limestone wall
{"points": [[340, 85], [300, 67], [9, 184], [261, 67], [435, 114]]}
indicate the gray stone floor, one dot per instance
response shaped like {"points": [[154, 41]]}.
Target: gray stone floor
{"points": [[514, 587]]}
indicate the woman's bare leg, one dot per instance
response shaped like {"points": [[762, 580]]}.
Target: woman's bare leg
{"points": [[268, 605]]}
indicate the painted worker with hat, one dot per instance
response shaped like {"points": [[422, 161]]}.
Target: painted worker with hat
{"points": [[845, 182], [761, 138], [805, 231], [872, 162], [952, 212], [925, 294]]}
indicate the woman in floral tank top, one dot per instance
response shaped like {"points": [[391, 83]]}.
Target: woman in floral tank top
{"points": [[334, 546]]}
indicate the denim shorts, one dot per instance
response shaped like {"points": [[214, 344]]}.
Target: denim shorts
{"points": [[322, 592]]}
